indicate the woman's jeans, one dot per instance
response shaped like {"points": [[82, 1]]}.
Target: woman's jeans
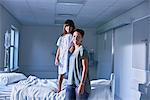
{"points": [[71, 94]]}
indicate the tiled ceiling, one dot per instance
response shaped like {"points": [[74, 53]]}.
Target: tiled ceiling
{"points": [[85, 13]]}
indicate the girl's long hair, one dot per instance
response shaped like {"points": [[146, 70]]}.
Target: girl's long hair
{"points": [[70, 23]]}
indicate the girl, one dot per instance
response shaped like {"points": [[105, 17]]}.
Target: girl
{"points": [[64, 45]]}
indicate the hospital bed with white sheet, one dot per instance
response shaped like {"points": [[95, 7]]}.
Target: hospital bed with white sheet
{"points": [[16, 86], [7, 82]]}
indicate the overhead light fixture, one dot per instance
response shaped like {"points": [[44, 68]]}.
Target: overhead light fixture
{"points": [[72, 1], [68, 8], [59, 21], [65, 15]]}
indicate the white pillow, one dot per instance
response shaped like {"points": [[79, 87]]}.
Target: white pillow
{"points": [[9, 78]]}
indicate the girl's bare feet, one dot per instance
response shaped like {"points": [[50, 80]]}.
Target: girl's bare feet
{"points": [[58, 90]]}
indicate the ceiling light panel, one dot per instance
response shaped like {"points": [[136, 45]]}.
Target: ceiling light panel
{"points": [[65, 16], [72, 1], [59, 21], [62, 18], [68, 8]]}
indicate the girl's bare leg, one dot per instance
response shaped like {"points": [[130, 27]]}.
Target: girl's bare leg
{"points": [[60, 79]]}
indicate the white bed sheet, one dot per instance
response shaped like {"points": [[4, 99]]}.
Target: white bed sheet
{"points": [[5, 91], [37, 89], [100, 90]]}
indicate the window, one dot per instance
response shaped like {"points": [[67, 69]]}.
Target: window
{"points": [[11, 49]]}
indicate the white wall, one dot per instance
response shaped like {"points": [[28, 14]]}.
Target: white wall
{"points": [[104, 55], [123, 62], [6, 20], [90, 42], [37, 50], [124, 71], [38, 46]]}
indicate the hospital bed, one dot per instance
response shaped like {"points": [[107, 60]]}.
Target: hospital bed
{"points": [[33, 88]]}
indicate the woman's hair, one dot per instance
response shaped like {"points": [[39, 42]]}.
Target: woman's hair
{"points": [[79, 31], [70, 23]]}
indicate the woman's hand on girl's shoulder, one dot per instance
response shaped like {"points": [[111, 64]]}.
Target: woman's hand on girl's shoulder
{"points": [[71, 49]]}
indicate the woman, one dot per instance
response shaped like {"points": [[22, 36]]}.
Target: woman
{"points": [[78, 77]]}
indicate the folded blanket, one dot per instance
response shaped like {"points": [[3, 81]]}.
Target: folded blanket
{"points": [[9, 78]]}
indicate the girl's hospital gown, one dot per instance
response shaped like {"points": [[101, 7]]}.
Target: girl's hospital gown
{"points": [[64, 43]]}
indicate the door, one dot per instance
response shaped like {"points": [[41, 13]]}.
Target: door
{"points": [[141, 54]]}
